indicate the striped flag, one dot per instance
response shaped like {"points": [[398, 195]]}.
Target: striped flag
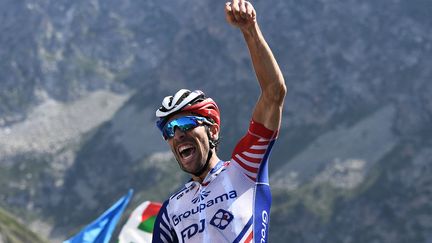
{"points": [[139, 227], [100, 230]]}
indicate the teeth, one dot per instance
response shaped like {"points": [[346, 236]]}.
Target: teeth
{"points": [[184, 147]]}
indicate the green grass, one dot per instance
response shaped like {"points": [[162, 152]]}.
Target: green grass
{"points": [[13, 232]]}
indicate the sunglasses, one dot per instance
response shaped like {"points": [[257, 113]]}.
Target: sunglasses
{"points": [[184, 123]]}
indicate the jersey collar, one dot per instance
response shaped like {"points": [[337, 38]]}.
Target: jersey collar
{"points": [[213, 173]]}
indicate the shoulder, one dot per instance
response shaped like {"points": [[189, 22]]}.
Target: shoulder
{"points": [[163, 230], [180, 192]]}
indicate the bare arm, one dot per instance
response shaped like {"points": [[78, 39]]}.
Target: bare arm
{"points": [[268, 109]]}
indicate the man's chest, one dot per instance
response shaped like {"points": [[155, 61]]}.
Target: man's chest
{"points": [[223, 207]]}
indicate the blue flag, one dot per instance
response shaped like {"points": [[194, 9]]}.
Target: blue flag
{"points": [[100, 230]]}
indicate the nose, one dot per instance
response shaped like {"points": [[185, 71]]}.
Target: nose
{"points": [[178, 133]]}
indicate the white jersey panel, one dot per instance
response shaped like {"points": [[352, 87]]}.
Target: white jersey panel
{"points": [[221, 208]]}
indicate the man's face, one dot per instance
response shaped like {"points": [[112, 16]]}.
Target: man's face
{"points": [[191, 147]]}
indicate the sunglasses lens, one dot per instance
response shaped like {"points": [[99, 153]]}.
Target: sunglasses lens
{"points": [[184, 123]]}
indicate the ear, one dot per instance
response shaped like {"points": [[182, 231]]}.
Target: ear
{"points": [[214, 131]]}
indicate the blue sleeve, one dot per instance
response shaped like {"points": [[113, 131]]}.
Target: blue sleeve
{"points": [[162, 231]]}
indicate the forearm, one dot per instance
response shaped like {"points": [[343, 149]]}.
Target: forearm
{"points": [[266, 68], [268, 109]]}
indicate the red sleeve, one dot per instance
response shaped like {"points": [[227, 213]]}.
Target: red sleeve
{"points": [[250, 150]]}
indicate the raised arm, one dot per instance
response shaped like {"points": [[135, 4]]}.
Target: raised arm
{"points": [[268, 110]]}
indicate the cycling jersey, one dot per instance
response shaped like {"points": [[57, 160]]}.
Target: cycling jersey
{"points": [[232, 204]]}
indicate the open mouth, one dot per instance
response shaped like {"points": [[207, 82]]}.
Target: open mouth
{"points": [[186, 151]]}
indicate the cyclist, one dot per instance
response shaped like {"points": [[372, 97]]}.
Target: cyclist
{"points": [[225, 201]]}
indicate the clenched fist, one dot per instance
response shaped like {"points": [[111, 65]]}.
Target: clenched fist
{"points": [[240, 13]]}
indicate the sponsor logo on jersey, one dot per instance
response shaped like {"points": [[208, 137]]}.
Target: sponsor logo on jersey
{"points": [[192, 230], [221, 219], [185, 190], [202, 206], [264, 223], [202, 195]]}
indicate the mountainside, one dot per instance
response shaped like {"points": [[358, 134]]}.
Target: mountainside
{"points": [[12, 231], [80, 82]]}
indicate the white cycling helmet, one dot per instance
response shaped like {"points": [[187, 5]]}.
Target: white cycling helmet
{"points": [[172, 104], [186, 100]]}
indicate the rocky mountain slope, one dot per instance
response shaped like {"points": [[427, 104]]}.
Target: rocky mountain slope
{"points": [[12, 231], [80, 82]]}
